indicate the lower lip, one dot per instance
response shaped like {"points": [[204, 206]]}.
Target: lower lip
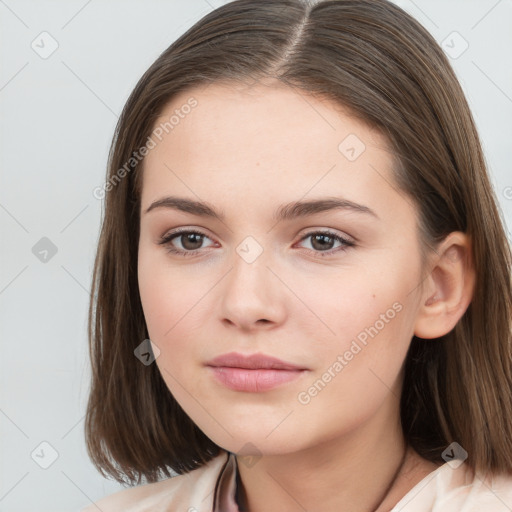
{"points": [[253, 381]]}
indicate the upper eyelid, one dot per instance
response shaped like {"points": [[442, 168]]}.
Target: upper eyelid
{"points": [[346, 243], [170, 236], [180, 231]]}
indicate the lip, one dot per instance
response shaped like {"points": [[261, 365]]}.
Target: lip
{"points": [[253, 373], [252, 362]]}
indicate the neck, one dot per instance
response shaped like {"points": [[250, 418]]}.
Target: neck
{"points": [[356, 471]]}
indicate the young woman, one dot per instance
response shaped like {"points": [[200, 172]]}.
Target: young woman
{"points": [[302, 286]]}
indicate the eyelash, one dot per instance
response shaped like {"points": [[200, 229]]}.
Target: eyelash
{"points": [[167, 239]]}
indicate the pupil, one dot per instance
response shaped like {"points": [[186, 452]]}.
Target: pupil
{"points": [[192, 238], [322, 238]]}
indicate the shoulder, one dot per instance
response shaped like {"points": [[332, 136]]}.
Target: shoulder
{"points": [[455, 486], [190, 491]]}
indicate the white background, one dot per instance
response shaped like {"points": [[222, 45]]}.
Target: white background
{"points": [[57, 118]]}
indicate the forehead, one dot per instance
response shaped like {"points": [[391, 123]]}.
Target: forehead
{"points": [[266, 138], [226, 112]]}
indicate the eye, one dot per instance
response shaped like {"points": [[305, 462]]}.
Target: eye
{"points": [[190, 241], [322, 241]]}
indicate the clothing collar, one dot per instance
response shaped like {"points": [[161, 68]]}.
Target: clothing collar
{"points": [[227, 488]]}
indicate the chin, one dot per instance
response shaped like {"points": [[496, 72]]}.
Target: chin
{"points": [[252, 441]]}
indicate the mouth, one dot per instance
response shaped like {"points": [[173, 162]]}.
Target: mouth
{"points": [[254, 373]]}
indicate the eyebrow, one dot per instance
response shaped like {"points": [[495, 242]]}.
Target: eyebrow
{"points": [[284, 212]]}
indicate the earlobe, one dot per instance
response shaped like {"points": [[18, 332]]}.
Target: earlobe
{"points": [[449, 288]]}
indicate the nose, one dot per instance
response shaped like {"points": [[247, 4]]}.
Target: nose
{"points": [[252, 297]]}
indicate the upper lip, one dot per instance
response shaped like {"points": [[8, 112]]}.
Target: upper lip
{"points": [[252, 362]]}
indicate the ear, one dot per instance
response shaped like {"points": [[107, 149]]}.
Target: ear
{"points": [[448, 289]]}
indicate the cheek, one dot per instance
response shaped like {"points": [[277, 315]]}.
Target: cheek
{"points": [[359, 371], [359, 360], [354, 308], [175, 305], [167, 298]]}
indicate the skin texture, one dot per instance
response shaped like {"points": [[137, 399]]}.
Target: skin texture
{"points": [[246, 150]]}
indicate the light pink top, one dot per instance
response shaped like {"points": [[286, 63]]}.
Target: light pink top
{"points": [[212, 488]]}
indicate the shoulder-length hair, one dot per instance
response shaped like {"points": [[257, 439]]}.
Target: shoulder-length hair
{"points": [[371, 57]]}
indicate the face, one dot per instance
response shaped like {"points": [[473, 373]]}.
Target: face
{"points": [[327, 284]]}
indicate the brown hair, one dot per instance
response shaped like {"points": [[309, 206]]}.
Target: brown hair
{"points": [[370, 57]]}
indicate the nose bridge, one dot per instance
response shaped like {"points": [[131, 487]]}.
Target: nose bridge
{"points": [[250, 273], [250, 292]]}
